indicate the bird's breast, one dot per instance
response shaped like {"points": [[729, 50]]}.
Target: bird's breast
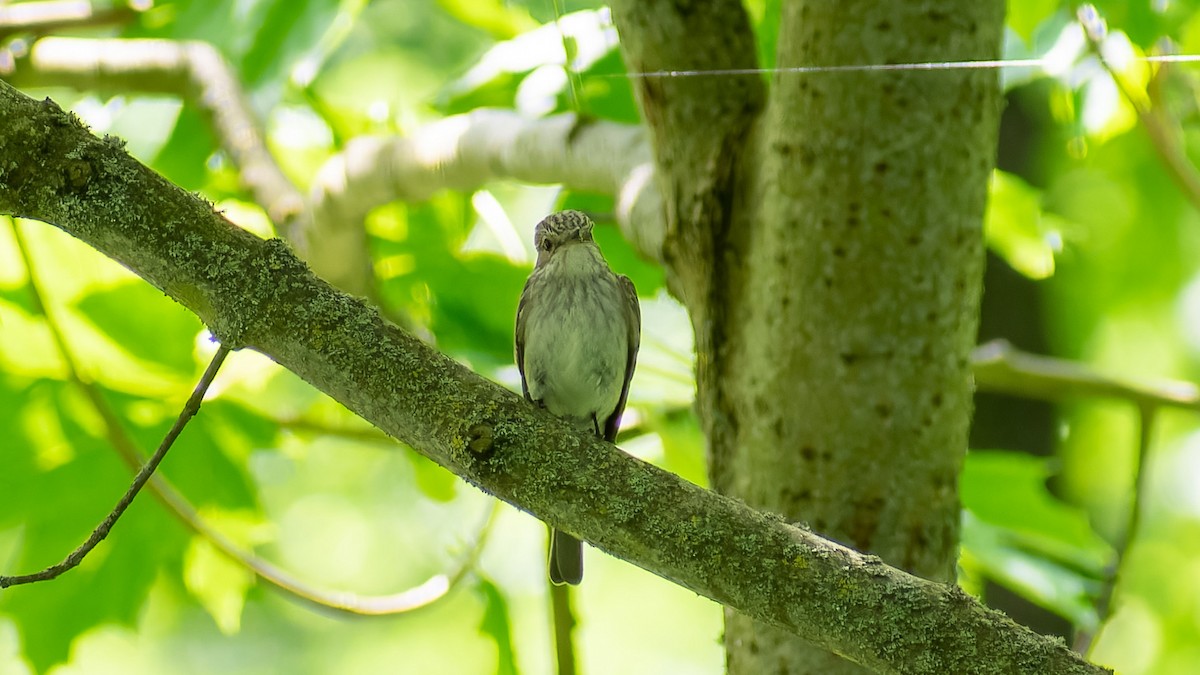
{"points": [[576, 345]]}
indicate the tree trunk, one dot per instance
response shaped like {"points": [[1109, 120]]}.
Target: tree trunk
{"points": [[255, 294], [844, 381], [828, 246]]}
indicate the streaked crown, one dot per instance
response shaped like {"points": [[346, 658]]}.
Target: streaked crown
{"points": [[559, 228]]}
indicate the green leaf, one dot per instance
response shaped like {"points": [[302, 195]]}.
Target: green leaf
{"points": [[477, 304], [435, 481], [291, 30], [577, 40], [145, 124], [664, 377], [683, 444], [765, 15], [1025, 16], [26, 346], [112, 582], [183, 159], [499, 91], [145, 324], [469, 299], [1018, 229], [499, 19], [1008, 490], [271, 36], [219, 583], [606, 91], [1023, 537], [212, 20], [496, 625], [1143, 21], [989, 550]]}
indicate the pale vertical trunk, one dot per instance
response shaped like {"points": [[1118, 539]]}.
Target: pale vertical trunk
{"points": [[827, 241], [844, 384]]}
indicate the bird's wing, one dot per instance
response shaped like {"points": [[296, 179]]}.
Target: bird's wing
{"points": [[522, 313], [633, 340]]}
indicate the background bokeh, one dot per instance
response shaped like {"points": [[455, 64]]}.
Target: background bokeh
{"points": [[1094, 251]]}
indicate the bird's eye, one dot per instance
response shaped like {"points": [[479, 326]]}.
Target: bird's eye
{"points": [[547, 245]]}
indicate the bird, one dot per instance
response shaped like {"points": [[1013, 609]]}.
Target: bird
{"points": [[578, 330]]}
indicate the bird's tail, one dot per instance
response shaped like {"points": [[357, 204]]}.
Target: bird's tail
{"points": [[566, 558]]}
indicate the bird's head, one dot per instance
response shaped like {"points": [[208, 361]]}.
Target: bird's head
{"points": [[561, 229]]}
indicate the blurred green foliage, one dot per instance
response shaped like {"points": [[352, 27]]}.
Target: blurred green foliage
{"points": [[1088, 212]]}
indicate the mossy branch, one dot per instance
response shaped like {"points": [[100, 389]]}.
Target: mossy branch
{"points": [[257, 294]]}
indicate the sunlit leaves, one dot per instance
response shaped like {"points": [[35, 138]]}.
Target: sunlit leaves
{"points": [[570, 64], [574, 41], [1020, 535], [276, 34], [1109, 237], [1025, 16], [1145, 22], [1018, 229], [113, 582], [470, 299], [434, 481], [219, 583], [502, 20], [497, 625], [184, 154], [120, 312], [765, 17]]}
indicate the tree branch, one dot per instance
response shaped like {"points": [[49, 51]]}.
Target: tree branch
{"points": [[1000, 367], [407, 600], [194, 71], [54, 15], [465, 151], [101, 531], [1163, 132], [461, 152], [254, 293], [1085, 638], [697, 170]]}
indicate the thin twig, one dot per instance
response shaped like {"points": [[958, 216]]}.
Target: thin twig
{"points": [[573, 78], [364, 434], [416, 597], [1085, 639], [193, 70], [471, 561], [564, 628], [189, 410], [1001, 368], [1166, 142], [405, 601]]}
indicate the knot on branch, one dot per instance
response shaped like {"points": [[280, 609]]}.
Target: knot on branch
{"points": [[480, 439]]}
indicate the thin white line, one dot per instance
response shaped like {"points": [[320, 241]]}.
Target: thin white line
{"points": [[1173, 58], [866, 67]]}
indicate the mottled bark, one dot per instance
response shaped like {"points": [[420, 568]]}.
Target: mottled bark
{"points": [[829, 250], [850, 339], [257, 294]]}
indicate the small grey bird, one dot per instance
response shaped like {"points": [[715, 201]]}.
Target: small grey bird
{"points": [[578, 330]]}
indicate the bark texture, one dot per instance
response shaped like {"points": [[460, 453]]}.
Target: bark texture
{"points": [[257, 294], [462, 152], [828, 246]]}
